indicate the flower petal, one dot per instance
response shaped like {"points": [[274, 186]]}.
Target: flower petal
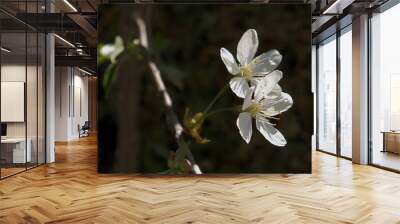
{"points": [[119, 48], [247, 99], [247, 47], [243, 122], [229, 61], [239, 86], [270, 132], [265, 63], [275, 92], [107, 50], [267, 84], [255, 80], [273, 107]]}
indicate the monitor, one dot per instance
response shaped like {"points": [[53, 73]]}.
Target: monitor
{"points": [[3, 129]]}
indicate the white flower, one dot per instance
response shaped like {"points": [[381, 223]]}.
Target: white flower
{"points": [[113, 50], [249, 68], [107, 49], [268, 101]]}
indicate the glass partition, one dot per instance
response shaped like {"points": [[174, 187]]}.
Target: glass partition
{"points": [[13, 94], [22, 88], [346, 92], [32, 86], [41, 91], [327, 95], [385, 89], [31, 99]]}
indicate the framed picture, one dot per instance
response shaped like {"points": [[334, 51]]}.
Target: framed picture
{"points": [[187, 89]]}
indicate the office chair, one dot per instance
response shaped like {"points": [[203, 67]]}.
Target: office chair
{"points": [[84, 130]]}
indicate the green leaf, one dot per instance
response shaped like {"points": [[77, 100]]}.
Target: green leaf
{"points": [[109, 76], [187, 118]]}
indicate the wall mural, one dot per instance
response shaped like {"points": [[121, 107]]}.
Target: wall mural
{"points": [[204, 89]]}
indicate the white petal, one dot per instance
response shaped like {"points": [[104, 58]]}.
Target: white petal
{"points": [[275, 92], [107, 50], [119, 48], [267, 84], [272, 107], [119, 42], [270, 132], [245, 127], [229, 61], [239, 86], [255, 80], [247, 99], [196, 169], [247, 47], [265, 63]]}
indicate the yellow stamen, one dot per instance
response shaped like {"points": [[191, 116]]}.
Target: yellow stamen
{"points": [[253, 109], [245, 72]]}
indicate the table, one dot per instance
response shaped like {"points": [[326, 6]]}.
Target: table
{"points": [[15, 148], [391, 141]]}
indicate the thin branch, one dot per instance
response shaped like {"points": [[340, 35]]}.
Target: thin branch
{"points": [[142, 32], [172, 119]]}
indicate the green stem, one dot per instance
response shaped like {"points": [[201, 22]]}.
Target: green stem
{"points": [[236, 108], [184, 150], [219, 94]]}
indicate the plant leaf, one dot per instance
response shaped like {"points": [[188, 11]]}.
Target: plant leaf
{"points": [[109, 76]]}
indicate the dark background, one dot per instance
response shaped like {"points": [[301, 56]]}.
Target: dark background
{"points": [[185, 41]]}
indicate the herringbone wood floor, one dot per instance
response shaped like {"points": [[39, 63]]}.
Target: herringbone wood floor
{"points": [[70, 191]]}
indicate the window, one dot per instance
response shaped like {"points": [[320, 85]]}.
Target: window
{"points": [[385, 89], [327, 95], [346, 92], [334, 106]]}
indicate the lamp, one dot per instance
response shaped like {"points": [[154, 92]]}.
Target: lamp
{"points": [[84, 71], [5, 50], [70, 5], [64, 40], [337, 7]]}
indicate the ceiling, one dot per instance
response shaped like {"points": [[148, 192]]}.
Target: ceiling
{"points": [[76, 20]]}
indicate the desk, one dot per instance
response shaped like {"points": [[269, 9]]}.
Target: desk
{"points": [[14, 150], [391, 141]]}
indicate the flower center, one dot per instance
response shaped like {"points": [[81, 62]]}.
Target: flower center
{"points": [[253, 109], [245, 72]]}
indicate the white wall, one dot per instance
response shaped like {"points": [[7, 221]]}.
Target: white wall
{"points": [[80, 105], [71, 102], [16, 73], [33, 126], [61, 103]]}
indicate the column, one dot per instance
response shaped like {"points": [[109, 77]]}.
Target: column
{"points": [[360, 90]]}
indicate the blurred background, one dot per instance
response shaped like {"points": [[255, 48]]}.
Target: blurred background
{"points": [[185, 42]]}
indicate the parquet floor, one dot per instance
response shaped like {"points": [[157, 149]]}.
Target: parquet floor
{"points": [[10, 171], [70, 191]]}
